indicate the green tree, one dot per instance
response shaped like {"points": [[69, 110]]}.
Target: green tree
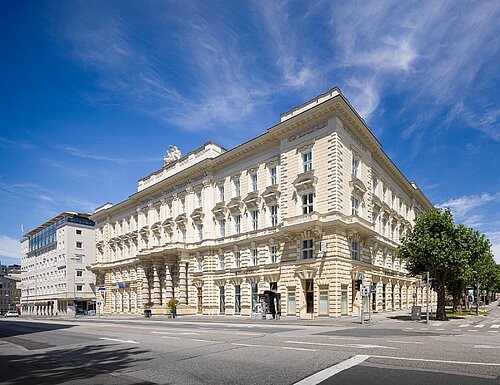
{"points": [[432, 246]]}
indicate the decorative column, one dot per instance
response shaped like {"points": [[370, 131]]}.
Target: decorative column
{"points": [[156, 286], [183, 283], [169, 286], [145, 288]]}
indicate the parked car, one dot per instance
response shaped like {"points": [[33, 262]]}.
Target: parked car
{"points": [[11, 313]]}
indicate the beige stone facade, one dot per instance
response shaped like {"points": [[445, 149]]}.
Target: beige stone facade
{"points": [[299, 214]]}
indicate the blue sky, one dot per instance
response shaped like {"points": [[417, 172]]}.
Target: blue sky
{"points": [[92, 93]]}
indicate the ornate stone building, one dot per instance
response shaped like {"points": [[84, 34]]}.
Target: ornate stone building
{"points": [[298, 214]]}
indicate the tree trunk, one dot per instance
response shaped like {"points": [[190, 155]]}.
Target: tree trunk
{"points": [[441, 302], [458, 298]]}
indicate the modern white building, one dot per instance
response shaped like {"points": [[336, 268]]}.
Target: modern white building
{"points": [[55, 266], [293, 221]]}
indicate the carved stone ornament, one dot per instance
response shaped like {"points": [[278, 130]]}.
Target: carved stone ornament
{"points": [[173, 154]]}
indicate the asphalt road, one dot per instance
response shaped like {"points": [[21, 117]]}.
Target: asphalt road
{"points": [[180, 351]]}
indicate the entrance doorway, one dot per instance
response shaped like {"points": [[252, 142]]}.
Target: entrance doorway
{"points": [[200, 300], [310, 296]]}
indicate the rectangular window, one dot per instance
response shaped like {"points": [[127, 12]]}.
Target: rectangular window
{"points": [[374, 184], [354, 206], [291, 308], [255, 296], [183, 204], [237, 259], [78, 232], [79, 258], [274, 215], [355, 166], [237, 187], [355, 250], [199, 200], [307, 248], [222, 299], [307, 161], [79, 245], [273, 175], [323, 302], [255, 219], [184, 235], [255, 257], [237, 224], [253, 180], [222, 227], [307, 203], [200, 232], [221, 193], [79, 287], [273, 254], [384, 225], [237, 299], [79, 273], [384, 192], [374, 218], [222, 262]]}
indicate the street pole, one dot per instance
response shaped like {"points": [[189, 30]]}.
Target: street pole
{"points": [[428, 294], [369, 304], [362, 299], [477, 298]]}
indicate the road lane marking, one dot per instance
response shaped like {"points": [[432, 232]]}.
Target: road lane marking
{"points": [[472, 330], [495, 326], [464, 326], [455, 330], [439, 361], [325, 374], [177, 333], [301, 349], [423, 329], [249, 345], [407, 342], [486, 347], [492, 331], [117, 340], [440, 329], [408, 328], [202, 340], [437, 324], [359, 346], [171, 338], [479, 326]]}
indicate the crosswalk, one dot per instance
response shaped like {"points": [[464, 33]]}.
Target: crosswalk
{"points": [[466, 327]]}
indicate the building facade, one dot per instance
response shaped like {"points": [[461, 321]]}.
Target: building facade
{"points": [[289, 222], [55, 266], [9, 293]]}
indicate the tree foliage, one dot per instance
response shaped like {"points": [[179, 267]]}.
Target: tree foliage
{"points": [[454, 255]]}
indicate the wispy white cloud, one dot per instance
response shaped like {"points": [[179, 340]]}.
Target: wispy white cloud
{"points": [[463, 205], [82, 153], [18, 144], [9, 247]]}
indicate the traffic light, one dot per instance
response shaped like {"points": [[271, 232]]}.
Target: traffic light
{"points": [[358, 285]]}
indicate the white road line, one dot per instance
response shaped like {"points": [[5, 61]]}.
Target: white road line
{"points": [[423, 329], [492, 331], [407, 342], [408, 328], [440, 361], [495, 326], [177, 333], [440, 329], [202, 340], [464, 326], [455, 330], [301, 349], [472, 330], [479, 326], [117, 340], [486, 347], [359, 346], [249, 345], [172, 338], [437, 324], [323, 375]]}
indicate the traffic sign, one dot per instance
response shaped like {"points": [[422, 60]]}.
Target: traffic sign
{"points": [[365, 291]]}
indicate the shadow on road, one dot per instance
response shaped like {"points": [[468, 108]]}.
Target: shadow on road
{"points": [[16, 328], [422, 318], [90, 364]]}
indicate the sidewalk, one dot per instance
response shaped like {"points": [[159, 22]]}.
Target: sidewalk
{"points": [[381, 318]]}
